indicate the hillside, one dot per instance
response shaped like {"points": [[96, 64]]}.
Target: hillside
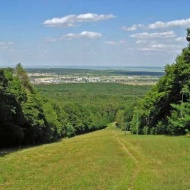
{"points": [[25, 117], [165, 109], [51, 112], [105, 159]]}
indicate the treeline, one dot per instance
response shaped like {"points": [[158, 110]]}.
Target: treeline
{"points": [[24, 114], [166, 108], [27, 117], [46, 113], [95, 104], [30, 116]]}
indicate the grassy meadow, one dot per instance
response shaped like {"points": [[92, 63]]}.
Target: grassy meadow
{"points": [[105, 159]]}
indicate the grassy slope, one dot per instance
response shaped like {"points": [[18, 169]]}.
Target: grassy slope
{"points": [[105, 159]]}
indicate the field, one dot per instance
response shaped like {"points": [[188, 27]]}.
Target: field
{"points": [[105, 159]]}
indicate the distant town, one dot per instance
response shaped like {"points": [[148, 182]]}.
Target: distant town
{"points": [[78, 76]]}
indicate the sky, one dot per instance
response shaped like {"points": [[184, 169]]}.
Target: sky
{"points": [[58, 33]]}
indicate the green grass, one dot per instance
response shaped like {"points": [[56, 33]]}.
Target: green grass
{"points": [[106, 159]]}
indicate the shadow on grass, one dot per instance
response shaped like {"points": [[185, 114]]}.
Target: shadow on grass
{"points": [[5, 151], [9, 150]]}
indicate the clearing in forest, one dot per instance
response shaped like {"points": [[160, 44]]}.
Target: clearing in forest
{"points": [[106, 159]]}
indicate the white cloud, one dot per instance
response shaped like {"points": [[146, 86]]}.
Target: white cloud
{"points": [[73, 20], [174, 23], [90, 17], [88, 34], [121, 42], [50, 39], [67, 21], [180, 39], [71, 36], [160, 47], [84, 34], [110, 43], [141, 42], [5, 45], [163, 46], [166, 46], [145, 35], [132, 28], [160, 25]]}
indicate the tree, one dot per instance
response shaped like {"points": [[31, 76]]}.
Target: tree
{"points": [[70, 131], [12, 118], [25, 116], [165, 100], [23, 77], [120, 119], [178, 124]]}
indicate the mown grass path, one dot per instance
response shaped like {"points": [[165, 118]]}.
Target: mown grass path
{"points": [[136, 168], [106, 159]]}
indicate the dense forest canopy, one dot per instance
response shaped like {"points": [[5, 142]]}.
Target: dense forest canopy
{"points": [[23, 112], [166, 108], [46, 113]]}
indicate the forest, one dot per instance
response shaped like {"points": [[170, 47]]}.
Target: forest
{"points": [[45, 113], [165, 108]]}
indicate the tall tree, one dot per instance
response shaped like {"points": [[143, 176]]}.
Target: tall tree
{"points": [[171, 91]]}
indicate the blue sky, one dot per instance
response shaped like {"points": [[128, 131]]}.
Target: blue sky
{"points": [[92, 33]]}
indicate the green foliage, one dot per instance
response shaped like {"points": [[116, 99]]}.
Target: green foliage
{"points": [[25, 117], [164, 110], [23, 77], [135, 127], [12, 117], [70, 130], [179, 121], [88, 107], [128, 115], [123, 117], [52, 119], [120, 119], [63, 110]]}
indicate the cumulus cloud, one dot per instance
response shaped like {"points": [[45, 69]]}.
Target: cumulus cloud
{"points": [[84, 34], [174, 23], [73, 20], [160, 25], [132, 28], [144, 35], [88, 34], [93, 17], [158, 45]]}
